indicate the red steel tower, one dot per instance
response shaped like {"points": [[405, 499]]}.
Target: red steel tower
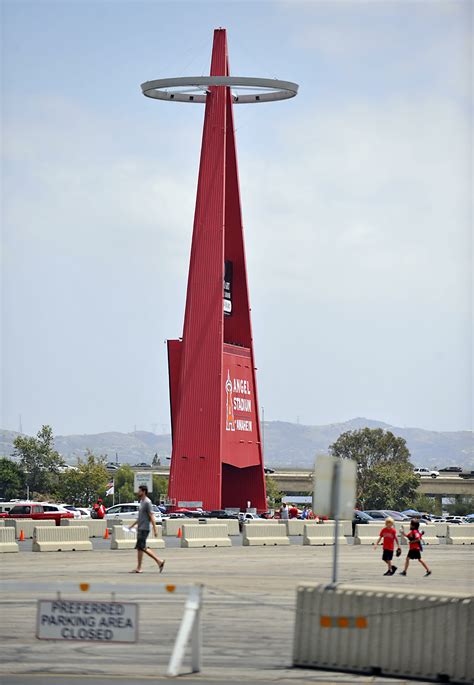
{"points": [[217, 449]]}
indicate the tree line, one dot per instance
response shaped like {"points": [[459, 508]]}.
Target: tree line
{"points": [[37, 470]]}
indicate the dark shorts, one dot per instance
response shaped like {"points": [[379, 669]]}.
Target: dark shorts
{"points": [[414, 554], [387, 555], [141, 539]]}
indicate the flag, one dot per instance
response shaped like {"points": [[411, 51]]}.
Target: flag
{"points": [[110, 488]]}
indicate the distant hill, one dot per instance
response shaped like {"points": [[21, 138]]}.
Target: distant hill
{"points": [[286, 444]]}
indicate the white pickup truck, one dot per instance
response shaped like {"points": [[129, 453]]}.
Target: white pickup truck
{"points": [[426, 472]]}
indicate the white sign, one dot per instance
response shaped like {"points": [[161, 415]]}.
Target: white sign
{"points": [[63, 619], [143, 479], [324, 492], [190, 505]]}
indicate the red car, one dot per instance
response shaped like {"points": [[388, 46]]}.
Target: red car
{"points": [[39, 511]]}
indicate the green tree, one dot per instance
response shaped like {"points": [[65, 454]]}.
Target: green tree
{"points": [[462, 505], [84, 484], [123, 484], [39, 460], [425, 504], [12, 479], [274, 495], [160, 487], [385, 476]]}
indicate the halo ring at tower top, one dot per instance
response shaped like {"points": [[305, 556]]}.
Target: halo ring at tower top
{"points": [[195, 89]]}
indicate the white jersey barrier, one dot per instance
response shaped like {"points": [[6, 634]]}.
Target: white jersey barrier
{"points": [[96, 526], [322, 534], [171, 526], [2, 523], [264, 535], [459, 534], [190, 629], [441, 529], [123, 538], [393, 633], [368, 533], [207, 535], [28, 526], [429, 536], [7, 540], [61, 539]]}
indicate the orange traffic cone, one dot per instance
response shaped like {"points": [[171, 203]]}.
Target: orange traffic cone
{"points": [[180, 534], [106, 534], [22, 535]]}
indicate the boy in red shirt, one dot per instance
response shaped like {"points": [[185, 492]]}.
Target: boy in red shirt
{"points": [[389, 537], [414, 551]]}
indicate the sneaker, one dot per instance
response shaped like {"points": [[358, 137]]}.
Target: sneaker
{"points": [[428, 573], [403, 573], [394, 568], [388, 573]]}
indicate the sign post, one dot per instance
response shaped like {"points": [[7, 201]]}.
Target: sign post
{"points": [[143, 479], [334, 495]]}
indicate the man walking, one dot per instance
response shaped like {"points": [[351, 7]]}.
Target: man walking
{"points": [[145, 517]]}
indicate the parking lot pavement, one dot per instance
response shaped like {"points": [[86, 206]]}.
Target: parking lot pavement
{"points": [[248, 610]]}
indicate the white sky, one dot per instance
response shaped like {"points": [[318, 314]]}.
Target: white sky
{"points": [[356, 199]]}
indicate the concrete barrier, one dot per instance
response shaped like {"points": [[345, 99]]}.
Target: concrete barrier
{"points": [[96, 526], [429, 535], [367, 533], [7, 540], [458, 534], [126, 539], [61, 538], [388, 633], [232, 524], [322, 534], [171, 526], [441, 529], [206, 535], [264, 535], [28, 526], [2, 523]]}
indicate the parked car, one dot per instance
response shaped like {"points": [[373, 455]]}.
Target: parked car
{"points": [[467, 473], [451, 469], [268, 470], [219, 514], [382, 514], [359, 518], [76, 513], [455, 519], [421, 471], [82, 511], [40, 511], [129, 511], [142, 465], [112, 466]]}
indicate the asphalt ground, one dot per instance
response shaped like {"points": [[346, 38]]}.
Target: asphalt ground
{"points": [[248, 610]]}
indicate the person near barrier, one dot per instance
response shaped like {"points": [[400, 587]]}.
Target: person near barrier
{"points": [[145, 518], [414, 538], [98, 510], [388, 536]]}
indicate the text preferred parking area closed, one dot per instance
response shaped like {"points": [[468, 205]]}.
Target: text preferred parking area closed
{"points": [[87, 621]]}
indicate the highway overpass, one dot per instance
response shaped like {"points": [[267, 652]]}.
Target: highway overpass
{"points": [[301, 483]]}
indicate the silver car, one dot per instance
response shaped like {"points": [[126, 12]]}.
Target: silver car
{"points": [[129, 511]]}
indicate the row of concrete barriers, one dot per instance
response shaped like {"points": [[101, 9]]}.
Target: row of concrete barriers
{"points": [[217, 533], [454, 534]]}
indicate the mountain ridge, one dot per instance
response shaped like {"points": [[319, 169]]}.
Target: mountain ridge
{"points": [[285, 444]]}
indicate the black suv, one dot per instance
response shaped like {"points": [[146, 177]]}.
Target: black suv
{"points": [[451, 469], [220, 514]]}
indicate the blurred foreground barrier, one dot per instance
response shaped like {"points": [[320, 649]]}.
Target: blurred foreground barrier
{"points": [[96, 526], [190, 629], [28, 526], [322, 534], [264, 534], [208, 535], [171, 526], [126, 539], [405, 634], [61, 539], [7, 540], [345, 526], [459, 534], [429, 535]]}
